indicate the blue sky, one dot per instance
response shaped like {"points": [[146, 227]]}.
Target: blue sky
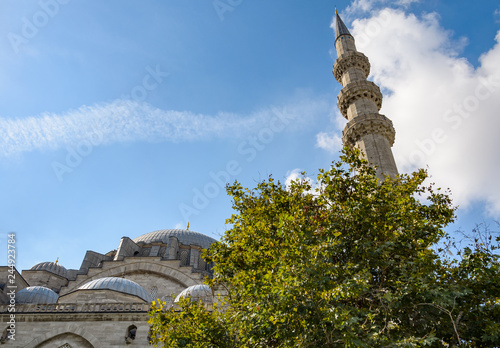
{"points": [[118, 118]]}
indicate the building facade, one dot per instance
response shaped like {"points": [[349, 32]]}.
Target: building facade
{"points": [[105, 302]]}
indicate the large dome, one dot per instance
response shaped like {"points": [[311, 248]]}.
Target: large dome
{"points": [[184, 236], [36, 294], [51, 267], [118, 284]]}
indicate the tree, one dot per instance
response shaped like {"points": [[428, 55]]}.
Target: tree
{"points": [[349, 262]]}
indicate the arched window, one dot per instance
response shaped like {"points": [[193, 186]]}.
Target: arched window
{"points": [[131, 332]]}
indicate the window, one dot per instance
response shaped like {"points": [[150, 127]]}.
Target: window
{"points": [[184, 256], [131, 332], [154, 292]]}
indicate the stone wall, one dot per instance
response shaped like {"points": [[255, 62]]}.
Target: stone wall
{"points": [[45, 278], [88, 331], [10, 277]]}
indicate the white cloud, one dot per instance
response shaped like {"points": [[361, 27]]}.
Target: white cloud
{"points": [[444, 110], [496, 14], [122, 121], [359, 8], [296, 174], [180, 226], [330, 142], [406, 3], [293, 175]]}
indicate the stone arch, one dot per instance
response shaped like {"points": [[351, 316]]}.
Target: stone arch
{"points": [[69, 331], [66, 340], [132, 266]]}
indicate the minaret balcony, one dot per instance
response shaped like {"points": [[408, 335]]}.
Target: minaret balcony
{"points": [[358, 90], [348, 60], [368, 124]]}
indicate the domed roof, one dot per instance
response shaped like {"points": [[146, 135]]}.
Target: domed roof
{"points": [[118, 284], [51, 267], [36, 294], [195, 293], [184, 236]]}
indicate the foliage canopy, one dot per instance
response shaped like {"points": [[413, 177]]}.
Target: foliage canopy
{"points": [[349, 262]]}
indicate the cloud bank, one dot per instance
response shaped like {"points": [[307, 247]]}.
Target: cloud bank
{"points": [[445, 110]]}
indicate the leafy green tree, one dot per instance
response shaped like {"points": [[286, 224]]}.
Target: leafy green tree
{"points": [[349, 262]]}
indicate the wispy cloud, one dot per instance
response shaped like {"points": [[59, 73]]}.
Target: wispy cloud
{"points": [[123, 121]]}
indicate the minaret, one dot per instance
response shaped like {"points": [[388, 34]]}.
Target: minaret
{"points": [[360, 101]]}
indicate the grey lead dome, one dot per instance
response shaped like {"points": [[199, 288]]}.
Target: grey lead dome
{"points": [[195, 293], [184, 236], [118, 284], [36, 294], [51, 267]]}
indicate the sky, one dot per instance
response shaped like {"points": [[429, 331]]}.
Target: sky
{"points": [[121, 117]]}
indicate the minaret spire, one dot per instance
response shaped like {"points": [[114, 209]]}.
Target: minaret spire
{"points": [[340, 27], [359, 102]]}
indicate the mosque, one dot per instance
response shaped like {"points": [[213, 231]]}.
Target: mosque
{"points": [[105, 302]]}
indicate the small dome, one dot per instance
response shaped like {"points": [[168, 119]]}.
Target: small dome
{"points": [[51, 267], [184, 236], [195, 293], [118, 284], [36, 294]]}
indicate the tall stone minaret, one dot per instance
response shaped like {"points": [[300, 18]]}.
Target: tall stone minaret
{"points": [[360, 101]]}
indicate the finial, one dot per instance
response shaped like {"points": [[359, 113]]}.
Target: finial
{"points": [[336, 12], [57, 260], [187, 228]]}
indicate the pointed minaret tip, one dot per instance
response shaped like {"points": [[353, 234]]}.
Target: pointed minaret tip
{"points": [[340, 27]]}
